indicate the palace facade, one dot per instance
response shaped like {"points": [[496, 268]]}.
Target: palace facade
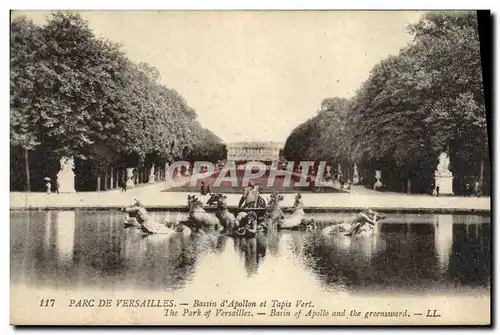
{"points": [[254, 151]]}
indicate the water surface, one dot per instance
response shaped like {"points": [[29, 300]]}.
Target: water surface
{"points": [[411, 254]]}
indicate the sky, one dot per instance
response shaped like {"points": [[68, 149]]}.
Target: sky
{"points": [[255, 75]]}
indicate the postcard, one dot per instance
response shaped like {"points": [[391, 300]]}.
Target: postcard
{"points": [[249, 168]]}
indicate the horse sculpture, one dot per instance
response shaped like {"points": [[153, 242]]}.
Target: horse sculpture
{"points": [[274, 215], [201, 218], [226, 218]]}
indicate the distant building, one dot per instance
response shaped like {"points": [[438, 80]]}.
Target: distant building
{"points": [[254, 151]]}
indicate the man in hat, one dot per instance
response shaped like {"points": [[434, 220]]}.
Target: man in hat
{"points": [[366, 216]]}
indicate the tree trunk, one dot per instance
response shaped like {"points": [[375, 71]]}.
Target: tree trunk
{"points": [[27, 166], [106, 179], [98, 183], [111, 181], [408, 186], [481, 173]]}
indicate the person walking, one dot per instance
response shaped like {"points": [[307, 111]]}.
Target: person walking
{"points": [[124, 185]]}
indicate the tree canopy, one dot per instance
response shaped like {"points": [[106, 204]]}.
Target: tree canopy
{"points": [[75, 94], [425, 100]]}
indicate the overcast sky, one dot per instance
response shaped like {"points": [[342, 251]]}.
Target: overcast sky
{"points": [[255, 75]]}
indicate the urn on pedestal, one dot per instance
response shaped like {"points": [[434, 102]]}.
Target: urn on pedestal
{"points": [[378, 183]]}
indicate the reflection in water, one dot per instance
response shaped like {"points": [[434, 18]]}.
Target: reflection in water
{"points": [[47, 227], [408, 253], [470, 259], [252, 251], [65, 236], [405, 256], [443, 236], [273, 243]]}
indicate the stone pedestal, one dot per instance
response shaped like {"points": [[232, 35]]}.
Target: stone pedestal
{"points": [[355, 175], [443, 176], [66, 176], [130, 179], [152, 175], [444, 182]]}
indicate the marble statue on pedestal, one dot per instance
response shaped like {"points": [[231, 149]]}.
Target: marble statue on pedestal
{"points": [[355, 175], [443, 176], [130, 178], [152, 175], [66, 176], [378, 183]]}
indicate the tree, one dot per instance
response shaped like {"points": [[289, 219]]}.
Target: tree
{"points": [[323, 137], [449, 53], [74, 94], [26, 41], [413, 105]]}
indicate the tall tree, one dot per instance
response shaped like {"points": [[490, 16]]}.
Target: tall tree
{"points": [[74, 94]]}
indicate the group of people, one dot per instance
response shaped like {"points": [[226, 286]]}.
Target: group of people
{"points": [[473, 191]]}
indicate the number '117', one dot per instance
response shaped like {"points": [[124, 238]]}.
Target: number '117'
{"points": [[47, 302]]}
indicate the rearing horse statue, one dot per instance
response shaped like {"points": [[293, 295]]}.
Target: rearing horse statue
{"points": [[226, 218], [274, 214], [201, 218]]}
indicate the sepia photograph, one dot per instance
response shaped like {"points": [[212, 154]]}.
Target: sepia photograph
{"points": [[250, 167]]}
